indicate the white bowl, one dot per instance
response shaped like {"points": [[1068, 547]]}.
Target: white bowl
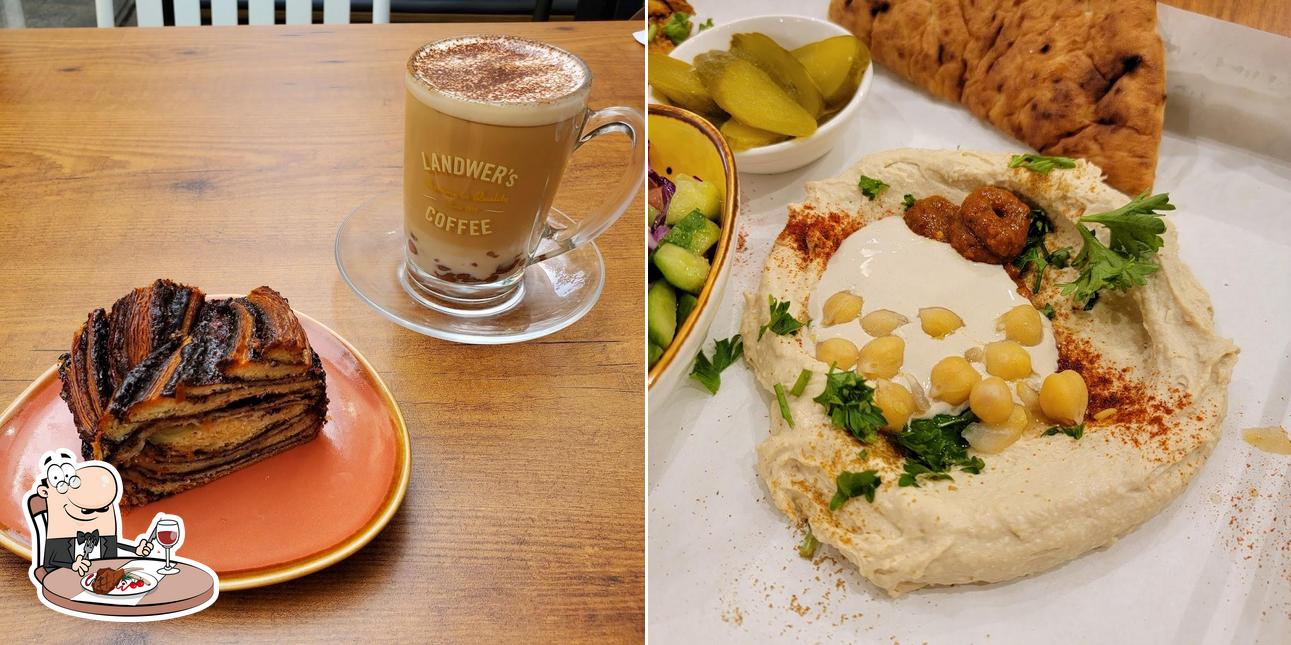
{"points": [[791, 32]]}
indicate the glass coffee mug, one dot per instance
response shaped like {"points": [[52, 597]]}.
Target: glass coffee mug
{"points": [[490, 125]]}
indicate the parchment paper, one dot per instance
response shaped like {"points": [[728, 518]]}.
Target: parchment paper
{"points": [[1214, 567]]}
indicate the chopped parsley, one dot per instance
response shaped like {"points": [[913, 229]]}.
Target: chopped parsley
{"points": [[1035, 258], [1035, 254], [1129, 256], [809, 545], [907, 201], [1075, 432], [784, 404], [725, 352], [707, 24], [677, 29], [1047, 310], [781, 323], [914, 470], [852, 484], [849, 402], [799, 385], [864, 454], [1061, 258], [871, 187], [1040, 163], [935, 445], [651, 32]]}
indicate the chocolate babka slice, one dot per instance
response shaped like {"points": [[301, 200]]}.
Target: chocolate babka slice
{"points": [[176, 390]]}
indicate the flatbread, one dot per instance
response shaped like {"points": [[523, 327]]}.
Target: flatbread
{"points": [[1078, 79]]}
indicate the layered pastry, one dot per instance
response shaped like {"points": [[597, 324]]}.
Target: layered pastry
{"points": [[176, 390]]}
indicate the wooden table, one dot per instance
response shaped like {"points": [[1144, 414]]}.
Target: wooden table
{"points": [[225, 158]]}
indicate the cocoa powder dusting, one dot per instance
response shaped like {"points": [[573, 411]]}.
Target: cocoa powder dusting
{"points": [[498, 69]]}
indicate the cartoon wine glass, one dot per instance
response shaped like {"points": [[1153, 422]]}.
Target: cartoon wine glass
{"points": [[168, 537]]}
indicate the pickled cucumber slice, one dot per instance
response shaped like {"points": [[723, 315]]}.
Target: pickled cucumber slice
{"points": [[681, 268], [782, 67], [661, 313], [832, 63], [858, 71], [748, 94], [655, 352], [676, 81], [743, 137]]}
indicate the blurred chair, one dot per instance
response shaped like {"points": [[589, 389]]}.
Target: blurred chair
{"points": [[188, 13], [155, 13], [11, 15]]}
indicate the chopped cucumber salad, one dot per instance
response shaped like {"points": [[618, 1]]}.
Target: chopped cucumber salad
{"points": [[682, 230]]}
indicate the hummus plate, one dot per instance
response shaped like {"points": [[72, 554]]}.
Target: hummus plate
{"points": [[1157, 377]]}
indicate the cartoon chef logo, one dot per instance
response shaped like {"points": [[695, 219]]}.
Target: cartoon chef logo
{"points": [[81, 566]]}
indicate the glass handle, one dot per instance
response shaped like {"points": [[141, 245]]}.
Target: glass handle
{"points": [[601, 122]]}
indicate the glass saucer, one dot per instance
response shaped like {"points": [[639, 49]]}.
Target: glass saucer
{"points": [[557, 292]]}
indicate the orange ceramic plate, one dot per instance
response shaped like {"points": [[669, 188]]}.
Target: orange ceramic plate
{"points": [[282, 518]]}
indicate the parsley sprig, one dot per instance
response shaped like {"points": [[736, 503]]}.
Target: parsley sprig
{"points": [[781, 323], [849, 402], [871, 187], [907, 201], [933, 446], [709, 372], [850, 484], [1129, 256], [1035, 254], [1136, 227], [678, 27], [1075, 432], [1040, 163]]}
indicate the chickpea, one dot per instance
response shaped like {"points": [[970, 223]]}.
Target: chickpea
{"points": [[1064, 397], [1007, 360], [1022, 324], [838, 352], [881, 357], [953, 379], [896, 402], [841, 307], [973, 354], [991, 401], [995, 438], [882, 322], [939, 322]]}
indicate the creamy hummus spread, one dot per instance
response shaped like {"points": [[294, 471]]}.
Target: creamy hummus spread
{"points": [[1156, 371]]}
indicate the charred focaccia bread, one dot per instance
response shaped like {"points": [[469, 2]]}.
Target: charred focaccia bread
{"points": [[176, 390]]}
